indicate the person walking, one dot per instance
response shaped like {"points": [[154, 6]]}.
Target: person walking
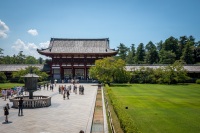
{"points": [[6, 113], [20, 106], [68, 94]]}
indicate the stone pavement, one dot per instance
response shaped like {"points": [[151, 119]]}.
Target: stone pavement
{"points": [[63, 116]]}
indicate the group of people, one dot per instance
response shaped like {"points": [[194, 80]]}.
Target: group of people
{"points": [[63, 89], [47, 86], [6, 93], [7, 108], [66, 90]]}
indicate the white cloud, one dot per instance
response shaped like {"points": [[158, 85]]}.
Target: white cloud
{"points": [[33, 32], [19, 45], [29, 48], [44, 44], [3, 29]]}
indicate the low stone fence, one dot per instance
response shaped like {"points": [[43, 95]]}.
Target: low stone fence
{"points": [[36, 102]]}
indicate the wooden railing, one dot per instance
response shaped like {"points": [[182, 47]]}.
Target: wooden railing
{"points": [[36, 102]]}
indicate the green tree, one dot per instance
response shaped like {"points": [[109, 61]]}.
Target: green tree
{"points": [[1, 56], [182, 42], [103, 70], [3, 77], [159, 45], [8, 60], [188, 53], [171, 44], [197, 54], [108, 69], [20, 58], [175, 73], [131, 55], [122, 51], [140, 54], [166, 57], [40, 60], [31, 60], [22, 72], [120, 75], [151, 56]]}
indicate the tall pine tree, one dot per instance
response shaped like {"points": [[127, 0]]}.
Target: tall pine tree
{"points": [[140, 54]]}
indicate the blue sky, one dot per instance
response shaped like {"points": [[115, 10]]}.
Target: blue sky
{"points": [[26, 25]]}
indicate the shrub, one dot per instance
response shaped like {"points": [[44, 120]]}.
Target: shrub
{"points": [[126, 123], [198, 81], [3, 77]]}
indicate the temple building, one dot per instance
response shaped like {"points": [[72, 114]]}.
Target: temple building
{"points": [[72, 58]]}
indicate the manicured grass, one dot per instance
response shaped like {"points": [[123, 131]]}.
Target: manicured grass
{"points": [[162, 108], [9, 85]]}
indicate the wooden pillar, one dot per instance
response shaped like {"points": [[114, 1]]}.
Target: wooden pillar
{"points": [[85, 66], [85, 72], [73, 72], [51, 70]]}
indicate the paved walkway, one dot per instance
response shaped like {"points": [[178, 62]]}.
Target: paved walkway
{"points": [[63, 116]]}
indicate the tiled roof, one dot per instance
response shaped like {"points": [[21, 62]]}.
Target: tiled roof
{"points": [[189, 68], [59, 45], [17, 67]]}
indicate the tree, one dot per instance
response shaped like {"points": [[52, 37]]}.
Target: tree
{"points": [[40, 60], [108, 69], [175, 73], [131, 55], [31, 60], [166, 57], [103, 70], [1, 56], [151, 53], [122, 51], [188, 53], [159, 45], [140, 54], [197, 54], [3, 77], [120, 75], [182, 42], [22, 72], [20, 58], [8, 60], [171, 44]]}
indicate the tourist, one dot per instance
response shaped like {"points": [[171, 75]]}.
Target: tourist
{"points": [[79, 89], [11, 92], [64, 95], [7, 105], [20, 107], [59, 89], [45, 86], [70, 88], [64, 92], [81, 131], [6, 113], [52, 87], [82, 90], [68, 94], [5, 94]]}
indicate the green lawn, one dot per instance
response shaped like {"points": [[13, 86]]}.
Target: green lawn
{"points": [[9, 85], [162, 108]]}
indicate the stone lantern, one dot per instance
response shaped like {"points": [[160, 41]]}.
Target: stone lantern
{"points": [[38, 101], [31, 83]]}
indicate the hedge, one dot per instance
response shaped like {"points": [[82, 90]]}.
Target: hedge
{"points": [[126, 122], [198, 81]]}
